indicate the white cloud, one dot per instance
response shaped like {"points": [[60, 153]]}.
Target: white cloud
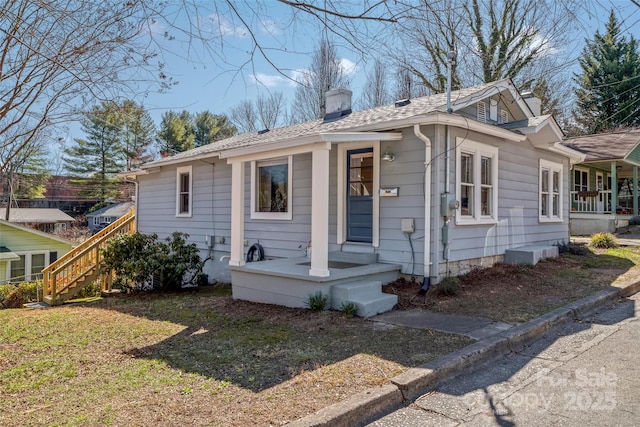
{"points": [[226, 27], [348, 67], [266, 80], [270, 27]]}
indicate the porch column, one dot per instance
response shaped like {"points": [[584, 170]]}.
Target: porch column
{"points": [[635, 190], [320, 213], [237, 214], [614, 188]]}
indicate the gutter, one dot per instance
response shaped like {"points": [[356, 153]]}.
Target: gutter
{"points": [[427, 199]]}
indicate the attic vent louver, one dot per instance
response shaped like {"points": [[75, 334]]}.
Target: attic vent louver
{"points": [[263, 131], [402, 102]]}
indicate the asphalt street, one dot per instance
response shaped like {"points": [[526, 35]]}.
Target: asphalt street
{"points": [[585, 373]]}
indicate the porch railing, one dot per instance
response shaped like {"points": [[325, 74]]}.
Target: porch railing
{"points": [[83, 264], [591, 201]]}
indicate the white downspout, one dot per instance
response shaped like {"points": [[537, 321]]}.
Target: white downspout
{"points": [[427, 199]]}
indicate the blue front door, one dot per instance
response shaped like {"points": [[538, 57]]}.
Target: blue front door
{"points": [[360, 195]]}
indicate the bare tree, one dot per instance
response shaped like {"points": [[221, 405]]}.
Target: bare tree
{"points": [[55, 55], [376, 91], [244, 116], [494, 39], [271, 110], [326, 72]]}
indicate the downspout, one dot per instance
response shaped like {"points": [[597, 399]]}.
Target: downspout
{"points": [[427, 205]]}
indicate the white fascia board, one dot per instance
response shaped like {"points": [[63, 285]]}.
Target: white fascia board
{"points": [[574, 156], [171, 161], [441, 118], [303, 144]]}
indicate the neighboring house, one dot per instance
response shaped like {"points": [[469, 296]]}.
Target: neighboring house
{"points": [[415, 188], [24, 252], [43, 219], [596, 204], [108, 214]]}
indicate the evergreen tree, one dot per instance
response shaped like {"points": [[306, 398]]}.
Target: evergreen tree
{"points": [[95, 161], [176, 133], [210, 127], [137, 130], [608, 93]]}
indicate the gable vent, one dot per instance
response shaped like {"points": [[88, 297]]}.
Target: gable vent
{"points": [[504, 116], [402, 102], [482, 111]]}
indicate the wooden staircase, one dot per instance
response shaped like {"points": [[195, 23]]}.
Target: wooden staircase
{"points": [[83, 264]]}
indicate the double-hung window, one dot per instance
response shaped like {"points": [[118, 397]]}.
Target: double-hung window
{"points": [[184, 191], [550, 191], [477, 183], [271, 188]]}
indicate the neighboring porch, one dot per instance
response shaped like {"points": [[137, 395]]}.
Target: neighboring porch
{"points": [[597, 205]]}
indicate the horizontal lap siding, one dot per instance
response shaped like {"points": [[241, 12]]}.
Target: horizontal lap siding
{"points": [[407, 174], [211, 209], [282, 238], [518, 198]]}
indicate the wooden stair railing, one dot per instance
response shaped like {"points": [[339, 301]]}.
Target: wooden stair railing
{"points": [[82, 265]]}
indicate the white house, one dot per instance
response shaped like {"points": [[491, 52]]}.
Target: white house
{"points": [[406, 188]]}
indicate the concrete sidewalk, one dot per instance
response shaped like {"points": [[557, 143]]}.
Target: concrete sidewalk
{"points": [[494, 339]]}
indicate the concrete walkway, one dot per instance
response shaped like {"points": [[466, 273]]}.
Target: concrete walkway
{"points": [[473, 327], [373, 403]]}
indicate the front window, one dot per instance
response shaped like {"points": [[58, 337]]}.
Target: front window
{"points": [[184, 191], [477, 177], [271, 189], [550, 191], [37, 265]]}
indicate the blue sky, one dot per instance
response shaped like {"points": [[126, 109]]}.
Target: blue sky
{"points": [[215, 82], [218, 87]]}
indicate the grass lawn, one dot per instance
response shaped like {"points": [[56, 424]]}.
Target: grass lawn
{"points": [[196, 358], [201, 358]]}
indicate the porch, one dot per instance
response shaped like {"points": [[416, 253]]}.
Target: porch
{"points": [[353, 278]]}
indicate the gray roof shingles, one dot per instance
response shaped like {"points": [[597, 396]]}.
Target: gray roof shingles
{"points": [[605, 146], [351, 122]]}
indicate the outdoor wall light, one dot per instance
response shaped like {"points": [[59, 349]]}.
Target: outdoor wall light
{"points": [[388, 155]]}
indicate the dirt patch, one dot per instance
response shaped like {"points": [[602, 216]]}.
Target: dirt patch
{"points": [[515, 293]]}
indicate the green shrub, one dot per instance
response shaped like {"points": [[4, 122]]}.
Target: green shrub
{"points": [[93, 289], [14, 296], [317, 301], [350, 309], [572, 248], [449, 286], [603, 240], [140, 261]]}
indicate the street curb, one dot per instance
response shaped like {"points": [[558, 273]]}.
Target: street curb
{"points": [[375, 402]]}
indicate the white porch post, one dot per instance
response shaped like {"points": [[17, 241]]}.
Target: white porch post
{"points": [[635, 190], [320, 213], [237, 213], [614, 188]]}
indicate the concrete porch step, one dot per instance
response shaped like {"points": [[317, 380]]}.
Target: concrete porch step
{"points": [[354, 257], [530, 254], [366, 295]]}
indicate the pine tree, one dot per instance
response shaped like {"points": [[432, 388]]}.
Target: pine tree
{"points": [[137, 131], [95, 161], [176, 133], [608, 93], [210, 127]]}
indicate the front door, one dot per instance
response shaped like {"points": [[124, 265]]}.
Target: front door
{"points": [[360, 195]]}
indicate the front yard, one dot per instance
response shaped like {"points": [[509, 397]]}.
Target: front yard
{"points": [[201, 358]]}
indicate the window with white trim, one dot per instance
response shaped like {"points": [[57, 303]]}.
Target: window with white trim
{"points": [[550, 207], [28, 267], [184, 191], [477, 183], [271, 188]]}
